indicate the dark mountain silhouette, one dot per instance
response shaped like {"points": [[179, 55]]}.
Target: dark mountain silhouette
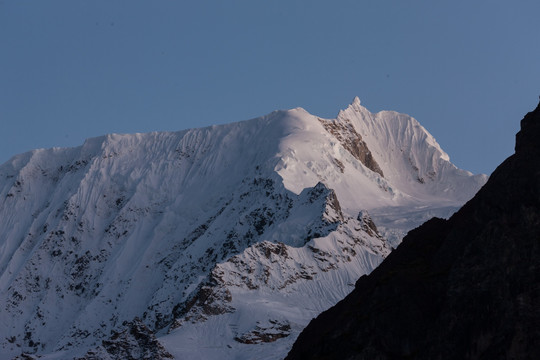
{"points": [[463, 288]]}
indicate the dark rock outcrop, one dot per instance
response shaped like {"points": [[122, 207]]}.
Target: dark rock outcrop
{"points": [[273, 331], [465, 288], [136, 341], [343, 130]]}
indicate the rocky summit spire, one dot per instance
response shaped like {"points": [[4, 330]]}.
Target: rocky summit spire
{"points": [[463, 288]]}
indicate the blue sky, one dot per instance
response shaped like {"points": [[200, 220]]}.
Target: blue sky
{"points": [[69, 70]]}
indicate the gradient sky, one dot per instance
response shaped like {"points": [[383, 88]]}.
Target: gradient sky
{"points": [[69, 70]]}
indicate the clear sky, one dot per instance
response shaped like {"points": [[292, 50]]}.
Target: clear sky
{"points": [[69, 70]]}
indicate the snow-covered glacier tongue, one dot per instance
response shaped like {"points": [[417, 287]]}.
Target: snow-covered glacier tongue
{"points": [[219, 242]]}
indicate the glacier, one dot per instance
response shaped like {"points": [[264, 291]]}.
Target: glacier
{"points": [[222, 241]]}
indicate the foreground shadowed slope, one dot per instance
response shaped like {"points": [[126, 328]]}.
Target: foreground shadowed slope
{"points": [[468, 287]]}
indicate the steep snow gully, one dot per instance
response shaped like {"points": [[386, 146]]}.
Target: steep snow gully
{"points": [[208, 243]]}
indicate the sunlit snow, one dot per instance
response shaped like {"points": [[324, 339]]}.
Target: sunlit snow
{"points": [[261, 217]]}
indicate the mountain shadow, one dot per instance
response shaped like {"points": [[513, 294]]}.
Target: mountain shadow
{"points": [[463, 288]]}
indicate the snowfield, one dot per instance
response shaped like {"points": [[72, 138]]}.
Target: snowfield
{"points": [[219, 242]]}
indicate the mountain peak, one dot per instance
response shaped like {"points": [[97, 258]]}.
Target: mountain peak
{"points": [[527, 137], [355, 105], [466, 284], [356, 101], [177, 227]]}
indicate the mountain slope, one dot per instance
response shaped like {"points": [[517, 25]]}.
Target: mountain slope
{"points": [[162, 228], [466, 288]]}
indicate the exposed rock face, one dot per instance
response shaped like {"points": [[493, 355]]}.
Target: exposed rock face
{"points": [[466, 288], [273, 331], [136, 341], [275, 267], [344, 132], [367, 224]]}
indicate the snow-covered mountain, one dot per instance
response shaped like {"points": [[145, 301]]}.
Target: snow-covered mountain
{"points": [[222, 241], [463, 288]]}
